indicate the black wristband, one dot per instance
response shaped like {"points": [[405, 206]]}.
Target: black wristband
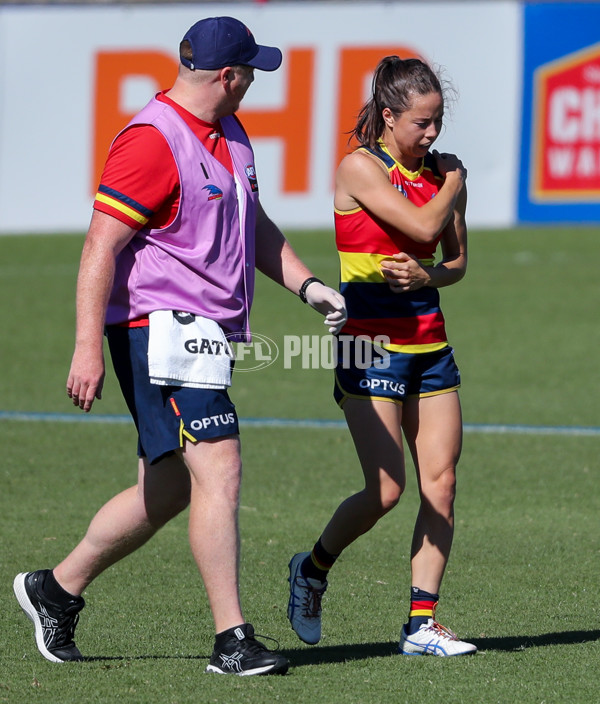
{"points": [[305, 285]]}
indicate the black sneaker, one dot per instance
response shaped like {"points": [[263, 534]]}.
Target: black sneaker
{"points": [[237, 652], [54, 623]]}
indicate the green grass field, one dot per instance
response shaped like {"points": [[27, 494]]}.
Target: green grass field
{"points": [[522, 582]]}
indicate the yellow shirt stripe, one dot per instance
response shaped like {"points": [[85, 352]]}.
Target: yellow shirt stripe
{"points": [[117, 205], [365, 267]]}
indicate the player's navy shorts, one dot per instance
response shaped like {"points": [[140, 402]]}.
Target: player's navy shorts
{"points": [[165, 416], [364, 372]]}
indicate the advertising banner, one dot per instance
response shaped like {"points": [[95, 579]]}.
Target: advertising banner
{"points": [[72, 76], [560, 155]]}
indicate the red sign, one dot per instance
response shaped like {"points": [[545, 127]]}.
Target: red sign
{"points": [[565, 163]]}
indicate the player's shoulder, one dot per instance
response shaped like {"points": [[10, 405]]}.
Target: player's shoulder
{"points": [[362, 162]]}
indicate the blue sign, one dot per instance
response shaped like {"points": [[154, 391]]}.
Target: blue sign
{"points": [[559, 177]]}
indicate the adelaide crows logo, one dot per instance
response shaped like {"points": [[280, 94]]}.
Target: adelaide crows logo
{"points": [[214, 193]]}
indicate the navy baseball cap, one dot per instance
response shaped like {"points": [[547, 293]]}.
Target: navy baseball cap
{"points": [[224, 41]]}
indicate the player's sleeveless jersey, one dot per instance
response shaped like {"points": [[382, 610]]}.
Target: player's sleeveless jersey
{"points": [[412, 321]]}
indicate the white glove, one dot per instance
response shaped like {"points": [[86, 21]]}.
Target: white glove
{"points": [[330, 303]]}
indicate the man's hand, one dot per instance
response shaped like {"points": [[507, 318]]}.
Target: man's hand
{"points": [[329, 303], [86, 378]]}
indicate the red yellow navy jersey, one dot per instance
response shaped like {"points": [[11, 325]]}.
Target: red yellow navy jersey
{"points": [[413, 320]]}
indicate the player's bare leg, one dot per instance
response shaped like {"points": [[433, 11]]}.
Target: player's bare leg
{"points": [[376, 431], [433, 429], [375, 428]]}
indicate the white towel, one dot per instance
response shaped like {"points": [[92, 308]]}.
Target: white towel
{"points": [[188, 350]]}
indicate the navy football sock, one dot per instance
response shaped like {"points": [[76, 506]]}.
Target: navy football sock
{"points": [[318, 563], [422, 608]]}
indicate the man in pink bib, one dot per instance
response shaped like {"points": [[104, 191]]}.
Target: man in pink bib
{"points": [[177, 227]]}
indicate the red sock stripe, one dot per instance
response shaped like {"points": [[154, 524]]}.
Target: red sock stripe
{"points": [[429, 604], [421, 608]]}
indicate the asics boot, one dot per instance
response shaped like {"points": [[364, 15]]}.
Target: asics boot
{"points": [[304, 606], [237, 652], [433, 639], [54, 623]]}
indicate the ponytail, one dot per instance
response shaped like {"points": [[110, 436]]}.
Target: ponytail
{"points": [[394, 83]]}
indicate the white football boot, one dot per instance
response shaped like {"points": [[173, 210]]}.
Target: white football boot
{"points": [[433, 639]]}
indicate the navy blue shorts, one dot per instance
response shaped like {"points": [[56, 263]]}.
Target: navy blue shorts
{"points": [[392, 376], [165, 416]]}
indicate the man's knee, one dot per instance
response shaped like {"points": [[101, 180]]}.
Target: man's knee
{"points": [[215, 465], [166, 490]]}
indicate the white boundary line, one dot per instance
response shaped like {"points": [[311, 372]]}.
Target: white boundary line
{"points": [[315, 423]]}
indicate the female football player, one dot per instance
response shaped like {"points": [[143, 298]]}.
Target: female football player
{"points": [[396, 380]]}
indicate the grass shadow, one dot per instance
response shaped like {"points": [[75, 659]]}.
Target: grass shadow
{"points": [[319, 655], [300, 657], [131, 658], [515, 643]]}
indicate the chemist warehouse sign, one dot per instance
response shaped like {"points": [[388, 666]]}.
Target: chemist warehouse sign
{"points": [[560, 156]]}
